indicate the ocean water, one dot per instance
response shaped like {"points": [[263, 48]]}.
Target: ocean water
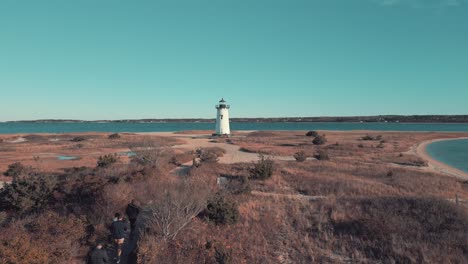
{"points": [[451, 152], [64, 127]]}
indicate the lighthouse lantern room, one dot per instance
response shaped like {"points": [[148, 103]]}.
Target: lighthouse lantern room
{"points": [[222, 119]]}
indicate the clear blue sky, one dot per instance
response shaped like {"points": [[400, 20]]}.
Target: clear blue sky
{"points": [[110, 59]]}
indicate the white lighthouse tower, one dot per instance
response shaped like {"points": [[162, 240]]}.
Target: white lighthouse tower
{"points": [[222, 119]]}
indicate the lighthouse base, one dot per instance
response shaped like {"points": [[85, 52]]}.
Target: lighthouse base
{"points": [[220, 135]]}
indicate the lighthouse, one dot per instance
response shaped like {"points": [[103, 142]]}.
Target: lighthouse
{"points": [[222, 119]]}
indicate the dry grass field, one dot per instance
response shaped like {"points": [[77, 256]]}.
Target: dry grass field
{"points": [[361, 197]]}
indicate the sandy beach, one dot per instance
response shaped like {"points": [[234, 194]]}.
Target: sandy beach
{"points": [[436, 165]]}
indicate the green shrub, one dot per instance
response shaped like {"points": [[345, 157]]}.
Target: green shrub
{"points": [[78, 139], [114, 136], [107, 160], [319, 140], [312, 133], [223, 255], [368, 137], [30, 193], [300, 156], [221, 210], [263, 169], [322, 155], [15, 169], [239, 185]]}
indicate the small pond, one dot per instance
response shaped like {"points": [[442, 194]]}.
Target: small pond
{"points": [[67, 158]]}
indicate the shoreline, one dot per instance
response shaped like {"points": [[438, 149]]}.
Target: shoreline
{"points": [[439, 166]]}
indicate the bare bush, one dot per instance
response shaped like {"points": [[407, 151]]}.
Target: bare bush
{"points": [[173, 205], [151, 153]]}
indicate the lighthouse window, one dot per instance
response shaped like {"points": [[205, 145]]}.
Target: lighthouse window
{"points": [[221, 116]]}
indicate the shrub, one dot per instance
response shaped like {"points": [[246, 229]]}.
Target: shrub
{"points": [[114, 136], [44, 238], [319, 140], [312, 133], [300, 156], [222, 255], [360, 146], [263, 169], [15, 169], [173, 205], [107, 160], [322, 155], [368, 137], [78, 139], [423, 230], [221, 210], [207, 156], [30, 193], [3, 218], [239, 185]]}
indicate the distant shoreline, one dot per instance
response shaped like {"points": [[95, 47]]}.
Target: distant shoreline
{"points": [[439, 166], [456, 119]]}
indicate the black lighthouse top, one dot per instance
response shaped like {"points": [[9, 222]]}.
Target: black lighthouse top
{"points": [[222, 104]]}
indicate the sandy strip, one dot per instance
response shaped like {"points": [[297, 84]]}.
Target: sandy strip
{"points": [[437, 165]]}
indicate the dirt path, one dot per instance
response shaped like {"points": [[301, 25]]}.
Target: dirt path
{"points": [[289, 196], [233, 153]]}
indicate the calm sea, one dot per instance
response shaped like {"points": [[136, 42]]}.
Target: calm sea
{"points": [[27, 127], [450, 152]]}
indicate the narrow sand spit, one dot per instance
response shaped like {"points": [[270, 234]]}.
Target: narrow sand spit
{"points": [[436, 165]]}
